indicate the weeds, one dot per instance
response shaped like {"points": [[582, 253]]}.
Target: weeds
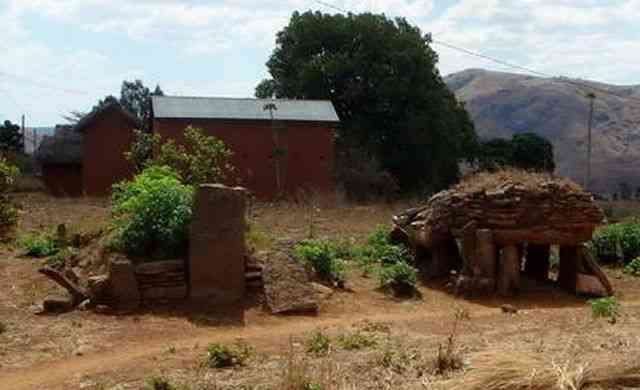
{"points": [[318, 343], [258, 239], [605, 307], [62, 257], [158, 382], [221, 356], [617, 242], [448, 357], [356, 341], [38, 245], [633, 268]]}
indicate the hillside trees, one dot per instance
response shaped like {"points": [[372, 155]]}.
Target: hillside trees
{"points": [[526, 151], [382, 78]]}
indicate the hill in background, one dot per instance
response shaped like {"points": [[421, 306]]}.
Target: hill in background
{"points": [[502, 104]]}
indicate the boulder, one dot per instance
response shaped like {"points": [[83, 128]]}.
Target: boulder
{"points": [[287, 286]]}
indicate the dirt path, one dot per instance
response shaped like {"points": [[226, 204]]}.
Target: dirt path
{"points": [[264, 337]]}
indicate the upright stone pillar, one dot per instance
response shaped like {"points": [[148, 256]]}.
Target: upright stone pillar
{"points": [[509, 271], [217, 244], [484, 265], [568, 268]]}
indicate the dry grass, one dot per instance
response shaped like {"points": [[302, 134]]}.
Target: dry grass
{"points": [[502, 370], [531, 181]]}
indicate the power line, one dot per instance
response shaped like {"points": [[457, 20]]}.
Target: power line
{"points": [[507, 63]]}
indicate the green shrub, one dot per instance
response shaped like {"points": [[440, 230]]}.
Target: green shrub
{"points": [[324, 257], [400, 277], [605, 307], [221, 356], [618, 242], [633, 268], [379, 247], [379, 237], [157, 382], [318, 343], [8, 210], [152, 214], [38, 245], [356, 340]]}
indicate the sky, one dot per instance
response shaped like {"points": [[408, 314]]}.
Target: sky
{"points": [[62, 55]]}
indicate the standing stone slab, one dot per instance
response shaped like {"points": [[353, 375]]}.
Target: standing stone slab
{"points": [[569, 266], [216, 246], [509, 271], [123, 286], [485, 261]]}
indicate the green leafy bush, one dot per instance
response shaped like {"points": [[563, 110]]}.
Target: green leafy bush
{"points": [[38, 245], [8, 211], [401, 277], [220, 355], [605, 307], [618, 242], [633, 268], [324, 257], [379, 247], [152, 214]]}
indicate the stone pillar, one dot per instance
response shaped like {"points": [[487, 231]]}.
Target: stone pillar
{"points": [[216, 266], [123, 286], [509, 271], [569, 263], [484, 264], [468, 252], [537, 263]]}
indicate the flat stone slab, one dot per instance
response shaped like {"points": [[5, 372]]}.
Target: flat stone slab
{"points": [[287, 286]]}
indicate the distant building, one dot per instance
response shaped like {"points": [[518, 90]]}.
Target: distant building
{"points": [[300, 136], [88, 158], [296, 135]]}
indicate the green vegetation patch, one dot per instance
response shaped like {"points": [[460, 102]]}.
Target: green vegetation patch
{"points": [[221, 355], [38, 244], [605, 307], [617, 243]]}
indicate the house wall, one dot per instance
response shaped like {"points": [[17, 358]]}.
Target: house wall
{"points": [[308, 162], [63, 179], [105, 142]]}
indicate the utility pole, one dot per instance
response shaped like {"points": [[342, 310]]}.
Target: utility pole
{"points": [[24, 145], [587, 183]]}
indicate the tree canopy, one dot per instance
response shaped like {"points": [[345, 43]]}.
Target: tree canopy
{"points": [[11, 138], [525, 150], [381, 76], [135, 97]]}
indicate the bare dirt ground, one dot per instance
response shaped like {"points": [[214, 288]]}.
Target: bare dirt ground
{"points": [[85, 350]]}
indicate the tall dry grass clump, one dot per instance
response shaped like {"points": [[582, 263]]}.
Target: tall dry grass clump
{"points": [[504, 370], [531, 181]]}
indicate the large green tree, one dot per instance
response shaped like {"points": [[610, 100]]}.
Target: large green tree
{"points": [[11, 138], [382, 78]]}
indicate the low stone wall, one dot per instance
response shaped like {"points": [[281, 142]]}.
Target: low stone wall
{"points": [[162, 280]]}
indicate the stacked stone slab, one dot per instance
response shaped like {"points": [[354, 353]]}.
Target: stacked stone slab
{"points": [[500, 218], [162, 280]]}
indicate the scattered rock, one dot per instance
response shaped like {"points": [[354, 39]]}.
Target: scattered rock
{"points": [[57, 304], [85, 305], [102, 309], [322, 292], [288, 288], [82, 350], [509, 309], [98, 287]]}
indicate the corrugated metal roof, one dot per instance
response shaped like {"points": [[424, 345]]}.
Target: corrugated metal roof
{"points": [[247, 109]]}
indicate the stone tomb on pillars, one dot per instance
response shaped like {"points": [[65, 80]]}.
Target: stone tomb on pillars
{"points": [[506, 223]]}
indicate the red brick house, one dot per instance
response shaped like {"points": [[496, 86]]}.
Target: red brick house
{"points": [[296, 135], [300, 136], [88, 158]]}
